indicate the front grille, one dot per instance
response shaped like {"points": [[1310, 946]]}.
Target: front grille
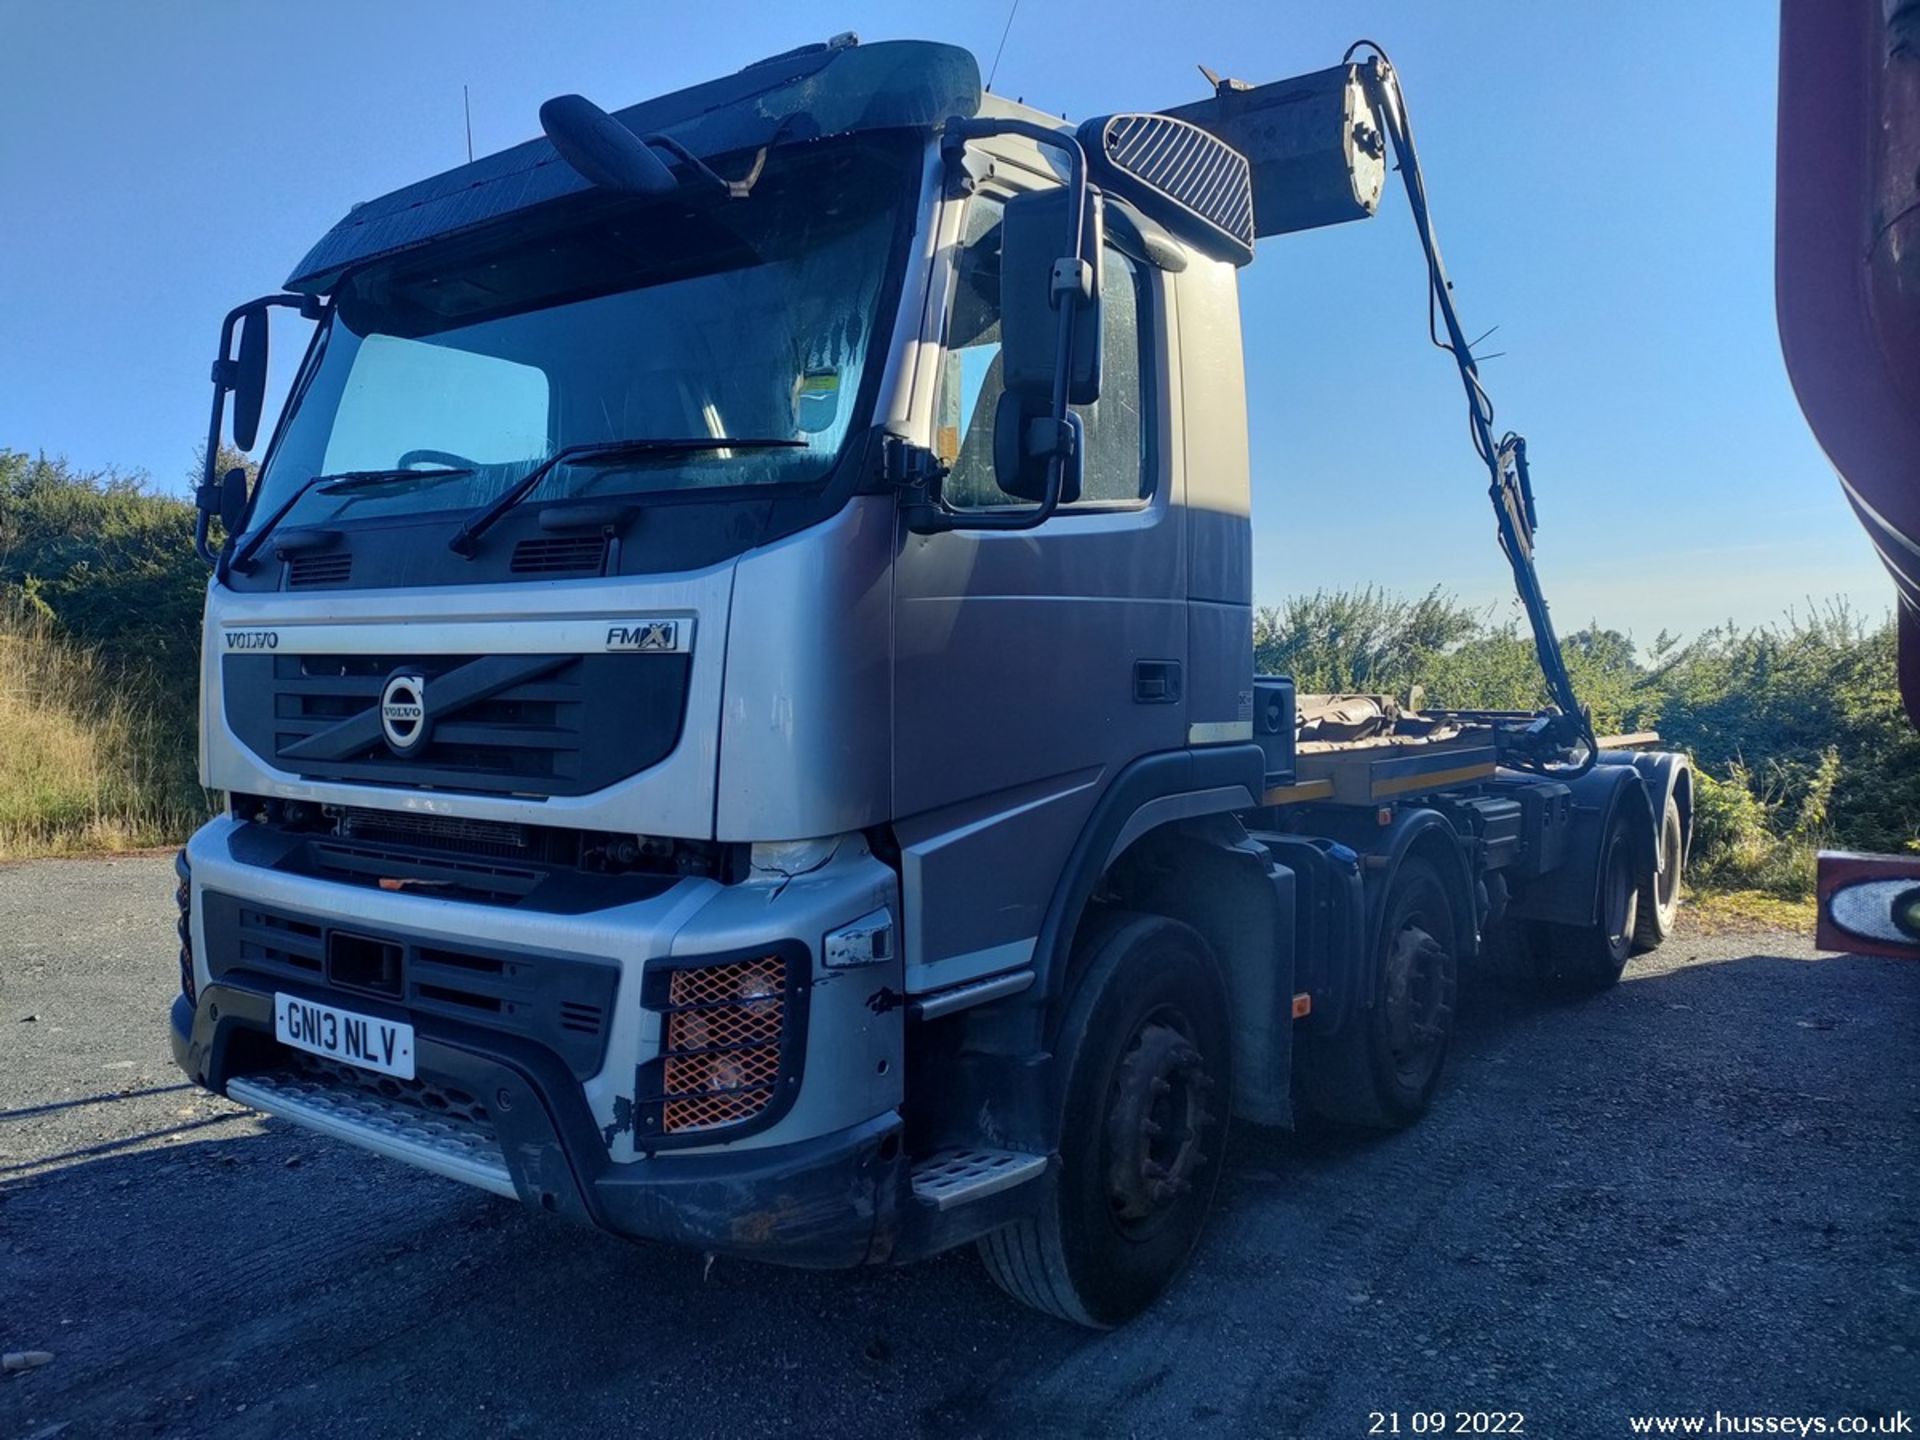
{"points": [[560, 555], [518, 724], [397, 870], [730, 1043], [452, 833], [561, 1001], [313, 571]]}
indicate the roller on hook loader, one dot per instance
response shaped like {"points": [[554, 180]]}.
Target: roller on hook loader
{"points": [[735, 689]]}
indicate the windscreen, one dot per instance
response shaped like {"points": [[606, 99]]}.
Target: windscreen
{"points": [[698, 316]]}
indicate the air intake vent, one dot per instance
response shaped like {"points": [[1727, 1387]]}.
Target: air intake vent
{"points": [[437, 832], [561, 555], [1180, 175], [312, 571]]}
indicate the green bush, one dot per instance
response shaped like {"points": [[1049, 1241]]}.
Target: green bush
{"points": [[99, 585], [1797, 728]]}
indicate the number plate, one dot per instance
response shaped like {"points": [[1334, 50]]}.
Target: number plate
{"points": [[383, 1045]]}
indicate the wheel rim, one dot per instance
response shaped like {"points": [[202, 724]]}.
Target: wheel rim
{"points": [[1666, 888], [1619, 892], [1157, 1120], [1419, 994]]}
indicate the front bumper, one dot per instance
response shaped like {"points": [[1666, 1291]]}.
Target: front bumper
{"points": [[830, 1201], [556, 1086]]}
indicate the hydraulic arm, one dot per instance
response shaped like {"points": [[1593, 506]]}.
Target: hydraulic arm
{"points": [[1541, 746]]}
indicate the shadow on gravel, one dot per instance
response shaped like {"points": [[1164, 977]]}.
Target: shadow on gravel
{"points": [[276, 1283], [109, 1097]]}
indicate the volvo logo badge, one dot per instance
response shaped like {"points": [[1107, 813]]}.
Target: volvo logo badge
{"points": [[403, 712]]}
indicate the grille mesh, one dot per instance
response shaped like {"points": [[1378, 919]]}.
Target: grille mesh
{"points": [[304, 571], [547, 555], [1187, 165], [478, 837], [725, 1024]]}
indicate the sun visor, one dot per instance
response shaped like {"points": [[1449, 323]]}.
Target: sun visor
{"points": [[835, 89]]}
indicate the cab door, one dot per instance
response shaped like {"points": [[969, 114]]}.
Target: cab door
{"points": [[1031, 666]]}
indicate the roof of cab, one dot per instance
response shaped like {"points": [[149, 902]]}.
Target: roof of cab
{"points": [[833, 89]]}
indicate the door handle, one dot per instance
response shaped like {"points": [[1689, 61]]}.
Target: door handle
{"points": [[1156, 682]]}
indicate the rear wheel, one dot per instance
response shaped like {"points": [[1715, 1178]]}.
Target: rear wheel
{"points": [[1591, 957], [1382, 1068], [1143, 1058], [1659, 900]]}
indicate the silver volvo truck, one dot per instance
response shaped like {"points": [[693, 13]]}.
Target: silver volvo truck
{"points": [[734, 688]]}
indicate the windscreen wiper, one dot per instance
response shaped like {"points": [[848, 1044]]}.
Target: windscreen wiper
{"points": [[478, 523], [341, 482]]}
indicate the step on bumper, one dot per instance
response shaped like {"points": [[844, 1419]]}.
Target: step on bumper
{"points": [[458, 1148], [830, 1202]]}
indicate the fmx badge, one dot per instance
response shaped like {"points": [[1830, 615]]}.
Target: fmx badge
{"points": [[657, 635]]}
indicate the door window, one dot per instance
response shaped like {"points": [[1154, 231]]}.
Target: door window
{"points": [[969, 388]]}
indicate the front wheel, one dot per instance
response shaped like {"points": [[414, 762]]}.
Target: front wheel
{"points": [[1143, 1056]]}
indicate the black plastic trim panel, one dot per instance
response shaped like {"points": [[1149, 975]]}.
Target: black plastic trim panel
{"points": [[561, 1002]]}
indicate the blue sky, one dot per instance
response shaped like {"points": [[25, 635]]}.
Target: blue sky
{"points": [[1601, 177]]}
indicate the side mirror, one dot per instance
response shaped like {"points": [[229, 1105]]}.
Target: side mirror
{"points": [[1035, 239], [1026, 438], [250, 379], [233, 500]]}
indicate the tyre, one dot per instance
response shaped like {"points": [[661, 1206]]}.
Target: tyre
{"points": [[1659, 898], [1143, 1065], [1591, 957], [1382, 1068]]}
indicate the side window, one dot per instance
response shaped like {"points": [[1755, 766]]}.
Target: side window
{"points": [[1116, 471]]}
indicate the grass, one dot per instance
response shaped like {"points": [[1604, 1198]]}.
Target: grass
{"points": [[84, 765], [1716, 911]]}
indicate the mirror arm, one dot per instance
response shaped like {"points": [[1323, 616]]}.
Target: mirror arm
{"points": [[1072, 280], [226, 371]]}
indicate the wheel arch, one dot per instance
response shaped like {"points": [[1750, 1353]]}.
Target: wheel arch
{"points": [[1427, 834], [1155, 794], [1208, 874], [1570, 893], [997, 1065], [1667, 775]]}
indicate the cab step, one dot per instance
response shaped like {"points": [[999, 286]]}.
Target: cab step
{"points": [[460, 1149], [949, 1178]]}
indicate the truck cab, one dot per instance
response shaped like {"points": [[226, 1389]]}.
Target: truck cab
{"points": [[734, 694]]}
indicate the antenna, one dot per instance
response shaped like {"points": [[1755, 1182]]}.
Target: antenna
{"points": [[467, 110], [994, 69]]}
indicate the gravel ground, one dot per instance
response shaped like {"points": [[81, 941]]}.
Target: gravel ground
{"points": [[1699, 1191]]}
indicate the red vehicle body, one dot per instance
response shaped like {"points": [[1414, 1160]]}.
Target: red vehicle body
{"points": [[1847, 290]]}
